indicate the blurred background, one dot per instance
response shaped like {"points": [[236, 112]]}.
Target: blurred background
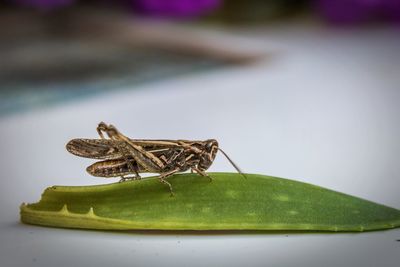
{"points": [[53, 51], [306, 89]]}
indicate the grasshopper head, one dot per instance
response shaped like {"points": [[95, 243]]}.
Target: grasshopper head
{"points": [[210, 151]]}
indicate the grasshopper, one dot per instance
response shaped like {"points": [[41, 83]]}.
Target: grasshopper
{"points": [[127, 158]]}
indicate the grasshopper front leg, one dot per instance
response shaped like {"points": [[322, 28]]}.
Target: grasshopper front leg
{"points": [[202, 173]]}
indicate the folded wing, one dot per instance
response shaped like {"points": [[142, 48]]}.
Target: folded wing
{"points": [[94, 148]]}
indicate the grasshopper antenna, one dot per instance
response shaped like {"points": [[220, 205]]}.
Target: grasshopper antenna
{"points": [[233, 163]]}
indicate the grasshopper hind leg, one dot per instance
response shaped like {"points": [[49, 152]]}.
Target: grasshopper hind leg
{"points": [[113, 134], [125, 178], [110, 130]]}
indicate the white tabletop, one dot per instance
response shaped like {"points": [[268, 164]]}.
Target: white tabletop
{"points": [[323, 109]]}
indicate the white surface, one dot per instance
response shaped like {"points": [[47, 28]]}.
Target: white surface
{"points": [[324, 110]]}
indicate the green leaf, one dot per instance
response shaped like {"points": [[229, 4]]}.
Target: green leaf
{"points": [[228, 202]]}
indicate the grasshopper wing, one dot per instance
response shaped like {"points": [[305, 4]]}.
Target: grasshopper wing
{"points": [[108, 149], [94, 148]]}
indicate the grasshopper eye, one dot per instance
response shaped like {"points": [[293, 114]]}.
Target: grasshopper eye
{"points": [[208, 156], [210, 144]]}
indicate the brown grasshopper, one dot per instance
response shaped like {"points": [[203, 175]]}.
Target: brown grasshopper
{"points": [[127, 158]]}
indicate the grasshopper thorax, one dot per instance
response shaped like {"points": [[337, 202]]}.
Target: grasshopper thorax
{"points": [[207, 157]]}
